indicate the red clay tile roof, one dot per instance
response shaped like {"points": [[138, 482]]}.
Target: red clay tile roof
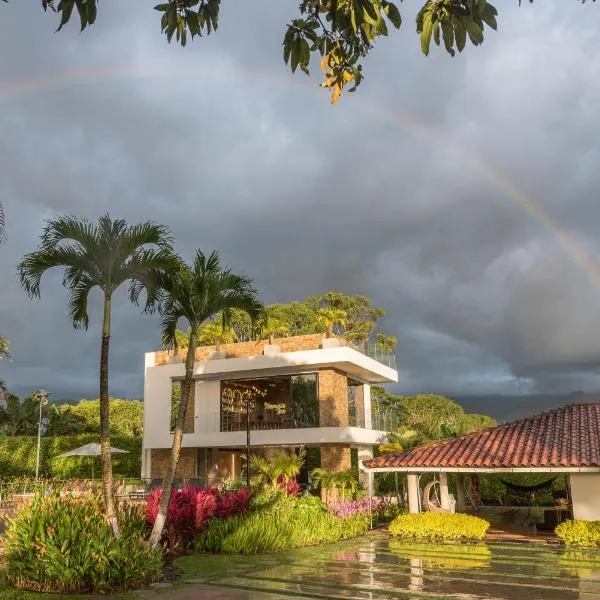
{"points": [[565, 437]]}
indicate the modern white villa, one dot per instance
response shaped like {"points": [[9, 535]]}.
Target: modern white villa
{"points": [[301, 391]]}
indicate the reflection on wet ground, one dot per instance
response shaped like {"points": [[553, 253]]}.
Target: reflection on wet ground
{"points": [[376, 567]]}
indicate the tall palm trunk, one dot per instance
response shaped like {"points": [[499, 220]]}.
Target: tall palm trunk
{"points": [[107, 478], [186, 387]]}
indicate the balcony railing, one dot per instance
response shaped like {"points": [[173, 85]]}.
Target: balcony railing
{"points": [[384, 421], [374, 351], [236, 421]]}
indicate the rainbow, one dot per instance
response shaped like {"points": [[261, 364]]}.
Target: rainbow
{"points": [[571, 245]]}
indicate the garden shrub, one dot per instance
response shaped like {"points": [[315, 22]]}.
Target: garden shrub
{"points": [[439, 526], [381, 509], [190, 509], [65, 545], [280, 522], [579, 534], [18, 457]]}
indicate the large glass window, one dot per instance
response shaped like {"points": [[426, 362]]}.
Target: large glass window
{"points": [[279, 402], [356, 404]]}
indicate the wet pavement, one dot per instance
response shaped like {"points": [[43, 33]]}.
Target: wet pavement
{"points": [[374, 568]]}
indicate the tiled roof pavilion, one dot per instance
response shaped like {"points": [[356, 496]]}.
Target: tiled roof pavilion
{"points": [[566, 439]]}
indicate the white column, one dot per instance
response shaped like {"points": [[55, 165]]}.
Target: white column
{"points": [[367, 405], [461, 504], [365, 478], [413, 492], [444, 494]]}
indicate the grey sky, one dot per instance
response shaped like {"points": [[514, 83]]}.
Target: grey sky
{"points": [[399, 192]]}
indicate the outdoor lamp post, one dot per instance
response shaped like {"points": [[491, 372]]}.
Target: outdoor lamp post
{"points": [[42, 396]]}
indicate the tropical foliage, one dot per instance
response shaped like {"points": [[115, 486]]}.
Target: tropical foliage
{"points": [[190, 510], [353, 317], [336, 484], [65, 545], [579, 534], [339, 33], [400, 441], [439, 526], [106, 256], [432, 417], [195, 293], [18, 456], [280, 522], [278, 470]]}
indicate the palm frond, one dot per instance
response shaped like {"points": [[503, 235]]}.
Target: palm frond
{"points": [[78, 301], [35, 264]]}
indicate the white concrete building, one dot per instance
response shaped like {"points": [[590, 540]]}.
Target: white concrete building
{"points": [[303, 391]]}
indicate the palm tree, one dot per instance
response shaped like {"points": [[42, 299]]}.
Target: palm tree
{"points": [[196, 293], [274, 327], [282, 465], [103, 255], [330, 317], [400, 441], [326, 479]]}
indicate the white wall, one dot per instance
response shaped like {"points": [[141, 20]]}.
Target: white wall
{"points": [[157, 399], [585, 494]]}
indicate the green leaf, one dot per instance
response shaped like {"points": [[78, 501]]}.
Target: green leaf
{"points": [[304, 56], [356, 15], [382, 27], [295, 56], [287, 48], [426, 32], [448, 35], [489, 16], [436, 33], [475, 33], [392, 13], [460, 34], [369, 12], [65, 8]]}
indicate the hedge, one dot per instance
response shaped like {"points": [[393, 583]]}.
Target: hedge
{"points": [[18, 456], [579, 534], [439, 526]]}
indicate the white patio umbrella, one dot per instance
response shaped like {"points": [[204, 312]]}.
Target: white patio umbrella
{"points": [[92, 450]]}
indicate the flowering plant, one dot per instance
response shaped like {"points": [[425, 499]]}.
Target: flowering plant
{"points": [[191, 509], [379, 507]]}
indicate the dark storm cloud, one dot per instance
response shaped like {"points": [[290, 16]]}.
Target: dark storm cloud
{"points": [[388, 194]]}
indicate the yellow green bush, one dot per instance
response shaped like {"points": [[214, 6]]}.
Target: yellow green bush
{"points": [[579, 534], [439, 526]]}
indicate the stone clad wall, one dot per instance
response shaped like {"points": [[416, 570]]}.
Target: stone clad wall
{"points": [[160, 463], [333, 412], [333, 398], [254, 348]]}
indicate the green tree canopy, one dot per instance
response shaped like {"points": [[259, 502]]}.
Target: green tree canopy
{"points": [[126, 417], [353, 317], [338, 33], [431, 416]]}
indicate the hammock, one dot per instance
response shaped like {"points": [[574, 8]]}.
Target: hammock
{"points": [[523, 489]]}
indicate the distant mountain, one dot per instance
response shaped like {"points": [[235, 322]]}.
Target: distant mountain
{"points": [[510, 408]]}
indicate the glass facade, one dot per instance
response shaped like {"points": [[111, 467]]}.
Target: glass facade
{"points": [[278, 402], [356, 404]]}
